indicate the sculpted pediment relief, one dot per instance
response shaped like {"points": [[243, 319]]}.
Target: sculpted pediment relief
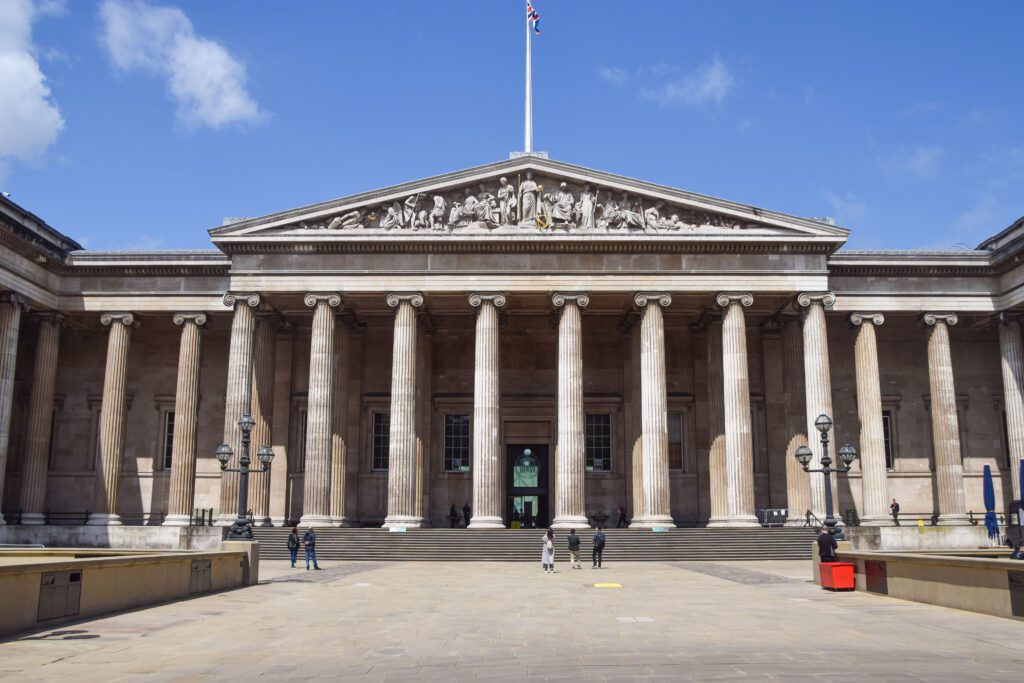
{"points": [[533, 198]]}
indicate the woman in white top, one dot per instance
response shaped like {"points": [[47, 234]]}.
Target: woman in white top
{"points": [[547, 557]]}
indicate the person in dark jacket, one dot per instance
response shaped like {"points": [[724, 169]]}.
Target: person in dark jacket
{"points": [[622, 517], [894, 507], [465, 514], [309, 540], [598, 548], [574, 550], [1017, 553], [453, 516], [293, 544], [827, 546]]}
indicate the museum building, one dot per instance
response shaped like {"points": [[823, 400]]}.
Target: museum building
{"points": [[541, 341]]}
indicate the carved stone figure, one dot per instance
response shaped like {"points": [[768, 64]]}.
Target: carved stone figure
{"points": [[528, 198], [561, 206], [410, 210], [506, 203], [585, 208], [391, 216], [455, 216], [436, 216], [469, 203], [620, 215], [546, 199], [348, 221]]}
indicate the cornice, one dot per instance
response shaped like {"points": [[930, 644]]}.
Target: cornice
{"points": [[911, 262]]}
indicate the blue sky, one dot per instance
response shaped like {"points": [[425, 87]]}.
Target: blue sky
{"points": [[141, 125]]}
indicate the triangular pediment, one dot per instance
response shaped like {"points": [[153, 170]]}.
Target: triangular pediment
{"points": [[527, 197]]}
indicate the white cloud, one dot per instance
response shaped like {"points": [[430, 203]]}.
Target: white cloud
{"points": [[708, 83], [206, 81], [29, 119], [922, 162], [613, 75]]}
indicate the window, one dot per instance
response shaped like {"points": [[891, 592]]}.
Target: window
{"points": [[381, 440], [890, 455], [598, 442], [675, 441], [168, 438], [456, 442]]}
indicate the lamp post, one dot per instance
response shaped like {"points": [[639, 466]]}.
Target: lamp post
{"points": [[241, 528], [847, 454]]}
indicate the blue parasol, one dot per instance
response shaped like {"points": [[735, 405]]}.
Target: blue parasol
{"points": [[989, 491]]}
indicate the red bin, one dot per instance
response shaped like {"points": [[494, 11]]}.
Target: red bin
{"points": [[837, 576]]}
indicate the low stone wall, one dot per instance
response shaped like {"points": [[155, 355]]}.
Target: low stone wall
{"points": [[131, 537], [991, 585], [104, 582], [913, 537]]}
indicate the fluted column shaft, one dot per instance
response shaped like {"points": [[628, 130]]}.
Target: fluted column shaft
{"points": [[634, 420], [339, 423], [874, 475], [402, 447], [1012, 361], [112, 416], [818, 388], [488, 496], [798, 493], [39, 429], [181, 496], [739, 453], [949, 471], [262, 411], [238, 396], [316, 498], [718, 481], [11, 308], [570, 456]]}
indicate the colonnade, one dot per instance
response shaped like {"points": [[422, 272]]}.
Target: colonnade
{"points": [[806, 385]]}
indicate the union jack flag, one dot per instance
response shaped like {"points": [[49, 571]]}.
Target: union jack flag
{"points": [[533, 17]]}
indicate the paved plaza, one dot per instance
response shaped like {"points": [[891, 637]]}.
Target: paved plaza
{"points": [[489, 621]]}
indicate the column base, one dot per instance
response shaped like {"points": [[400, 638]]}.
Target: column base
{"points": [[314, 520], [104, 519], [486, 523], [342, 522], [399, 521], [735, 522], [953, 519], [262, 521], [649, 522], [569, 522], [277, 521], [177, 520], [32, 518]]}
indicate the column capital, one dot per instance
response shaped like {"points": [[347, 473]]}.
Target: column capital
{"points": [[932, 318], [54, 317], [332, 299], [15, 299], [126, 319], [476, 299], [581, 299], [725, 299], [415, 299], [859, 318], [197, 317], [805, 299], [641, 299], [251, 299]]}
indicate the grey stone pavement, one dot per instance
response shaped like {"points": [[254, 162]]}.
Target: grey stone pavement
{"points": [[430, 621]]}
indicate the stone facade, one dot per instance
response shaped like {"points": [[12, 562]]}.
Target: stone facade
{"points": [[653, 348]]}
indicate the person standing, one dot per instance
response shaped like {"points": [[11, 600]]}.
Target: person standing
{"points": [[547, 556], [466, 513], [574, 550], [894, 507], [309, 540], [622, 517], [293, 544], [595, 554], [453, 516], [826, 546]]}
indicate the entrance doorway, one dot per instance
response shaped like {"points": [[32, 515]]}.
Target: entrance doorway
{"points": [[527, 494]]}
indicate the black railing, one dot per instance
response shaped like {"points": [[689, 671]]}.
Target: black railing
{"points": [[201, 517]]}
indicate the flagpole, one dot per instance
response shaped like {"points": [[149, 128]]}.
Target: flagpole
{"points": [[528, 127]]}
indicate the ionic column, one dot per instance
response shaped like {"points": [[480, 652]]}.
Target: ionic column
{"points": [[488, 496], [316, 497], [112, 417], [717, 479], [262, 411], [739, 454], [181, 497], [798, 492], [339, 423], [238, 396], [817, 387], [11, 307], [424, 377], [949, 469], [1012, 361], [402, 447], [873, 471], [570, 456], [632, 413], [39, 429]]}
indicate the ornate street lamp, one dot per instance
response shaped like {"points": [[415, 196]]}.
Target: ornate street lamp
{"points": [[847, 454], [241, 528]]}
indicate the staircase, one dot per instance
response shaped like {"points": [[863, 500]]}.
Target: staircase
{"points": [[524, 545]]}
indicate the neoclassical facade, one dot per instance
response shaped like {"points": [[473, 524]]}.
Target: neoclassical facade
{"points": [[537, 340]]}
